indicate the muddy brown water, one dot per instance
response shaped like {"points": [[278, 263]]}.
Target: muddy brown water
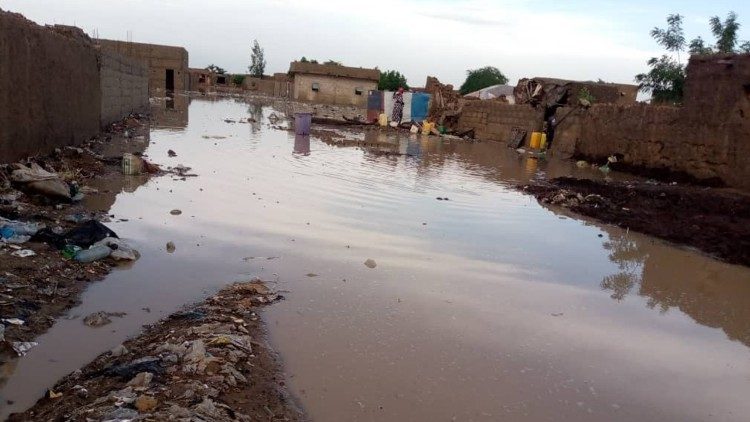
{"points": [[487, 306]]}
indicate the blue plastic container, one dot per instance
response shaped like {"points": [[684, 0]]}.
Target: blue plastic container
{"points": [[302, 122]]}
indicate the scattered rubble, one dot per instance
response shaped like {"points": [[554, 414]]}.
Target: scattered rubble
{"points": [[200, 364], [714, 221]]}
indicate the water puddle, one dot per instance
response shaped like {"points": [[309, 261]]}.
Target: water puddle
{"points": [[484, 306]]}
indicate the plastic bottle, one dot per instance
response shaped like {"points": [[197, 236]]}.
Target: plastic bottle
{"points": [[94, 253]]}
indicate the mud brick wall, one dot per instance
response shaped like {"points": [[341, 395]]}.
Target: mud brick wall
{"points": [[494, 120], [708, 137], [49, 88], [158, 58], [124, 86], [333, 90]]}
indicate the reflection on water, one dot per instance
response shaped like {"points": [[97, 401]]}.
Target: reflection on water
{"points": [[302, 144], [170, 112], [487, 306]]}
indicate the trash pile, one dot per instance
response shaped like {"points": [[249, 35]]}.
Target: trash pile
{"points": [[200, 364], [51, 246]]}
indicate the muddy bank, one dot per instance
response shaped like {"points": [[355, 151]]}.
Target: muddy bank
{"points": [[715, 221], [38, 282], [207, 362]]}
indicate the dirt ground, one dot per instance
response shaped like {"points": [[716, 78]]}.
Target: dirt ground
{"points": [[207, 362], [715, 221], [37, 289]]}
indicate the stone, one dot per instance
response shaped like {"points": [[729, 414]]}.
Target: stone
{"points": [[370, 263], [118, 351], [142, 380], [146, 404]]}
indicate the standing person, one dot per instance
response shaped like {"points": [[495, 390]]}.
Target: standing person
{"points": [[398, 106], [550, 126]]}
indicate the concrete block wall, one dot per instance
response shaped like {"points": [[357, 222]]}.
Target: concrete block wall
{"points": [[494, 120], [124, 86], [49, 88]]}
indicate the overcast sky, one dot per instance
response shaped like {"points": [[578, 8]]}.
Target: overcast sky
{"points": [[569, 39]]}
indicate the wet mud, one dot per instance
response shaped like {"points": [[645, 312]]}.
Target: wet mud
{"points": [[714, 221]]}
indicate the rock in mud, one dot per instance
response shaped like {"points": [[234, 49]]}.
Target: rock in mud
{"points": [[171, 247], [370, 263], [101, 318], [146, 404], [175, 212]]}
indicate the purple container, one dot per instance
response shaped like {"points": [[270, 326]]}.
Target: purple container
{"points": [[302, 122]]}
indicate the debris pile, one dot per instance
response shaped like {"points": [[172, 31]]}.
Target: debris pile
{"points": [[199, 364], [51, 246], [446, 104]]}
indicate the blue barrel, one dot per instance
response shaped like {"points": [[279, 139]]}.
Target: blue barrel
{"points": [[420, 104], [302, 122]]}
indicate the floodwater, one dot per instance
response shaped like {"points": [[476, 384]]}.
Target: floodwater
{"points": [[483, 307]]}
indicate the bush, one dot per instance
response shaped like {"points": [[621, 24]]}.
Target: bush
{"points": [[238, 79]]}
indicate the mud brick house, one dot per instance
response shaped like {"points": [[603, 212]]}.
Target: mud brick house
{"points": [[332, 84], [168, 65]]}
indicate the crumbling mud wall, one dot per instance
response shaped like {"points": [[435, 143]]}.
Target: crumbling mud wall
{"points": [[332, 90], [49, 88], [124, 86], [494, 120], [707, 138]]}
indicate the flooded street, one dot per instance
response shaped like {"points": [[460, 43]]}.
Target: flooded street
{"points": [[485, 306]]}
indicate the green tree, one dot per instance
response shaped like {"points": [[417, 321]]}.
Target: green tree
{"points": [[333, 62], [392, 80], [725, 32], [665, 80], [216, 69], [672, 38], [257, 61], [698, 46], [238, 79], [482, 78], [745, 47]]}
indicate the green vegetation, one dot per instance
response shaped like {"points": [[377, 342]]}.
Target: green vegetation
{"points": [[392, 80], [238, 79], [585, 95], [305, 60], [216, 69], [482, 78], [257, 61], [666, 79]]}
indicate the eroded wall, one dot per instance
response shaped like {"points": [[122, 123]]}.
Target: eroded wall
{"points": [[708, 137], [494, 120], [124, 87], [49, 88]]}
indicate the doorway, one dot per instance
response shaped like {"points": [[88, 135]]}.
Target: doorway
{"points": [[170, 80]]}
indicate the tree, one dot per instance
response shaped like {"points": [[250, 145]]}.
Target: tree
{"points": [[391, 81], [672, 38], [698, 46], [333, 63], [257, 62], [482, 78], [238, 79], [216, 69], [745, 47], [725, 32], [665, 80]]}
